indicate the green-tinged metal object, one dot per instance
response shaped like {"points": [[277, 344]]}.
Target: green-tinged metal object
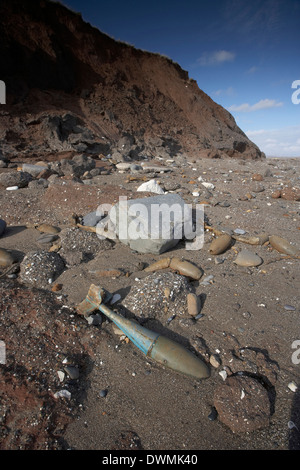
{"points": [[154, 345]]}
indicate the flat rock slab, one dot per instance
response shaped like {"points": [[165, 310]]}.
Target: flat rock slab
{"points": [[242, 404], [152, 225]]}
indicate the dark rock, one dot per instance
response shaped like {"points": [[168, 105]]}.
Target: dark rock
{"points": [[242, 404], [77, 166], [291, 194], [15, 178], [91, 219], [38, 184]]}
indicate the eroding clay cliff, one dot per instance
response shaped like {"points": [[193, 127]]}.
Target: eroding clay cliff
{"points": [[72, 88]]}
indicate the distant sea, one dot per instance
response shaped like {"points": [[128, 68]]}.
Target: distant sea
{"points": [[272, 156]]}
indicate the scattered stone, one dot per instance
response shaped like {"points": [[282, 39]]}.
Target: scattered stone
{"points": [[193, 304], [239, 231], [6, 258], [242, 404], [257, 177], [292, 386], [220, 244], [57, 287], [213, 414], [290, 308], [268, 173], [291, 194], [103, 393], [283, 246], [77, 166], [91, 219], [208, 185], [276, 194], [15, 178], [115, 298], [246, 315], [46, 228], [61, 375], [223, 374], [207, 280], [155, 169], [257, 188], [224, 204], [94, 319], [45, 174], [39, 268], [215, 360], [247, 258], [73, 372], [38, 184], [167, 292], [151, 186], [63, 394], [123, 166], [134, 168]]}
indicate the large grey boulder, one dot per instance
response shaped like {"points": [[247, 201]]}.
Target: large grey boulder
{"points": [[15, 178], [77, 166], [154, 224]]}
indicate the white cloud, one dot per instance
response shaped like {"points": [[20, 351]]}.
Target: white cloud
{"points": [[228, 92], [251, 70], [283, 142], [262, 104], [216, 58]]}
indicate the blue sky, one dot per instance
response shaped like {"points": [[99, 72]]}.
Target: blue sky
{"points": [[244, 54]]}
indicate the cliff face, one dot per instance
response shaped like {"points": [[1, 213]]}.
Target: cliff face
{"points": [[72, 88]]}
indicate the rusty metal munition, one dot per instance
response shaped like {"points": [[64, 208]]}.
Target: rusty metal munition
{"points": [[283, 246], [181, 266], [185, 268], [252, 240], [220, 244], [161, 264], [154, 345]]}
